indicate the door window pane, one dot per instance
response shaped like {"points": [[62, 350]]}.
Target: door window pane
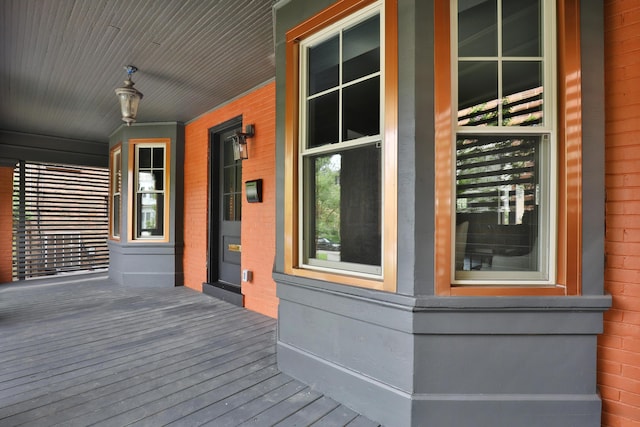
{"points": [[232, 207], [231, 175]]}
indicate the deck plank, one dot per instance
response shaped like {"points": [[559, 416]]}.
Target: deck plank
{"points": [[85, 351]]}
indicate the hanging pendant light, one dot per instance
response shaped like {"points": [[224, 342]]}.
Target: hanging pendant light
{"points": [[129, 97]]}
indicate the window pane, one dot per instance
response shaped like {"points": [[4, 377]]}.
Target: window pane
{"points": [[146, 181], [478, 93], [323, 120], [477, 28], [323, 65], [158, 157], [117, 173], [150, 215], [158, 179], [361, 50], [116, 215], [522, 28], [343, 207], [144, 157], [522, 93], [361, 109], [497, 211]]}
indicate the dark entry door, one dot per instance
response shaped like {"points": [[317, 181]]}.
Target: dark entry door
{"points": [[225, 207], [230, 216]]}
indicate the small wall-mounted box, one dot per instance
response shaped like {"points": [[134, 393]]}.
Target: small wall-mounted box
{"points": [[247, 275], [253, 190]]}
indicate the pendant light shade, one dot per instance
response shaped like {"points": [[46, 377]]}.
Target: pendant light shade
{"points": [[129, 97]]}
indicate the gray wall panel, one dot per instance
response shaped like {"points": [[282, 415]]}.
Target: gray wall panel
{"points": [[371, 350], [505, 364]]}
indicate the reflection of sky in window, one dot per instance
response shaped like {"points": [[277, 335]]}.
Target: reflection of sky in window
{"points": [[335, 162], [146, 181]]}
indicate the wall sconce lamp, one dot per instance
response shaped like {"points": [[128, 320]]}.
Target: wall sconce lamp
{"points": [[240, 151], [129, 97]]}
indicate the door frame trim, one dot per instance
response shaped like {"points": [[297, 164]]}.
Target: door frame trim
{"points": [[222, 290]]}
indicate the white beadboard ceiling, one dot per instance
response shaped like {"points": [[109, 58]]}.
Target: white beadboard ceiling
{"points": [[61, 60]]}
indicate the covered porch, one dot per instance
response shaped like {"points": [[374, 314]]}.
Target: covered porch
{"points": [[80, 350]]}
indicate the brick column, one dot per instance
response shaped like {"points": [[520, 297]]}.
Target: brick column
{"points": [[619, 345], [6, 222]]}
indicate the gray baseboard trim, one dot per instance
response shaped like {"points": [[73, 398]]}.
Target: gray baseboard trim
{"points": [[150, 280], [376, 400], [393, 407], [507, 410]]}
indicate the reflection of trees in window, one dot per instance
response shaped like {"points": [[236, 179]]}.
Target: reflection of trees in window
{"points": [[497, 174], [519, 109], [328, 197]]}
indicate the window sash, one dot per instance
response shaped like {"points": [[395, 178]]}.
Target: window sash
{"points": [[308, 29], [116, 192], [544, 128], [148, 218], [305, 235]]}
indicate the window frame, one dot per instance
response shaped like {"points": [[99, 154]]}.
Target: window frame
{"points": [[116, 150], [294, 256], [547, 148], [567, 192], [134, 145]]}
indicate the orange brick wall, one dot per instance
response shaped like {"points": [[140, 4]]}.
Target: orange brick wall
{"points": [[258, 219], [6, 223], [619, 346]]}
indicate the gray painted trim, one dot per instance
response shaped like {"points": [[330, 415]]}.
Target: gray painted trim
{"points": [[593, 151], [235, 98], [223, 294], [40, 148], [452, 315], [543, 303], [345, 385], [151, 280]]}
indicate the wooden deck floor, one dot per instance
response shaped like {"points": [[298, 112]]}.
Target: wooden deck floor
{"points": [[88, 352]]}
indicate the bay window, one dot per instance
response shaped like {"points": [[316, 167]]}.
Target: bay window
{"points": [[341, 160], [501, 220]]}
